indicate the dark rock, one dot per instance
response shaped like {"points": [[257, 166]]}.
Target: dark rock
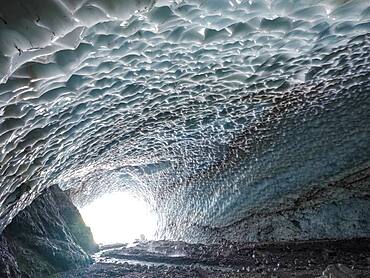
{"points": [[74, 221], [8, 264], [47, 237]]}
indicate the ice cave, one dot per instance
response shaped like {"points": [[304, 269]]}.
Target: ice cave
{"points": [[184, 138]]}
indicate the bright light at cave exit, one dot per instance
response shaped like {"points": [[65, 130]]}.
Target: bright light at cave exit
{"points": [[119, 217]]}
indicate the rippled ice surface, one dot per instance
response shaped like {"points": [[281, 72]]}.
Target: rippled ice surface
{"points": [[206, 109]]}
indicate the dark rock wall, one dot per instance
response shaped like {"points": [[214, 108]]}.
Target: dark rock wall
{"points": [[47, 237], [70, 214], [8, 265]]}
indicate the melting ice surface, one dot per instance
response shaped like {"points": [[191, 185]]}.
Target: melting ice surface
{"points": [[212, 111], [119, 217]]}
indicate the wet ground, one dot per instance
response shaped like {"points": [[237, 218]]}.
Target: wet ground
{"points": [[324, 258]]}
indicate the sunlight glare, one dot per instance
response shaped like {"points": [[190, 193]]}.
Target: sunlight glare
{"points": [[119, 217]]}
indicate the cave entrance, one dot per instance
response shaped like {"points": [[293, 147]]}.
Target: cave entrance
{"points": [[119, 217]]}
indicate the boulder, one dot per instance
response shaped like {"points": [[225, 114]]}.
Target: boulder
{"points": [[47, 237]]}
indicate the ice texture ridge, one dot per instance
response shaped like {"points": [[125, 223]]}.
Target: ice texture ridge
{"points": [[213, 111]]}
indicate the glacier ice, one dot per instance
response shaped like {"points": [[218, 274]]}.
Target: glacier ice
{"points": [[221, 108]]}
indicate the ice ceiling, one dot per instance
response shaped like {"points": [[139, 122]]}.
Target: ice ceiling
{"points": [[210, 110]]}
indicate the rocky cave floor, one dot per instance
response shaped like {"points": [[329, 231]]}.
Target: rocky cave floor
{"points": [[324, 258]]}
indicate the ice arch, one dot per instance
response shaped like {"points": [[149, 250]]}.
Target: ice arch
{"points": [[242, 120]]}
